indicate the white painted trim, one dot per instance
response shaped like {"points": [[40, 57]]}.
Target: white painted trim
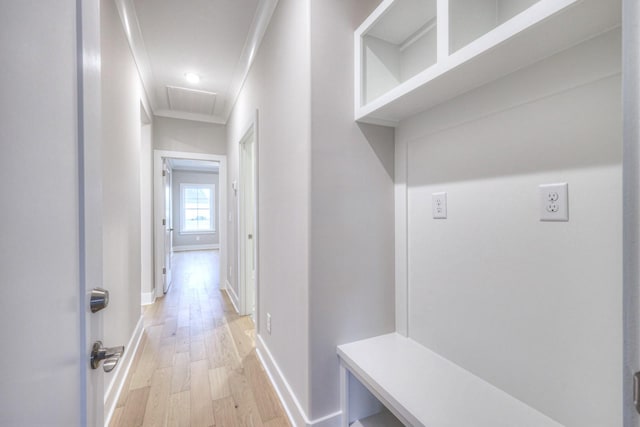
{"points": [[185, 248], [250, 132], [121, 371], [158, 209], [232, 296], [148, 298], [290, 402]]}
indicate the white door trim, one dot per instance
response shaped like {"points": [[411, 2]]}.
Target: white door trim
{"points": [[250, 130], [158, 203]]}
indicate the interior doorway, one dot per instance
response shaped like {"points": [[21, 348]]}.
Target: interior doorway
{"points": [[189, 207], [247, 222]]}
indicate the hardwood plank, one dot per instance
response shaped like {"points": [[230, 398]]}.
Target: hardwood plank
{"points": [[156, 411], [170, 327], [166, 352], [183, 339], [197, 350], [247, 410], [225, 412], [201, 403], [241, 338], [219, 383], [149, 359], [116, 416], [263, 393], [277, 422], [134, 410], [179, 410], [181, 375]]}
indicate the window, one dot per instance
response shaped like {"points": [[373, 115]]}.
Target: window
{"points": [[197, 213]]}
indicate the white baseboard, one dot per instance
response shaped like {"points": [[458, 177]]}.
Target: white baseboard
{"points": [[235, 301], [147, 298], [121, 371], [195, 248], [290, 402]]}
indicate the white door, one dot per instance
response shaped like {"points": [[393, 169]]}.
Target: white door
{"points": [[168, 225], [248, 224], [51, 235]]}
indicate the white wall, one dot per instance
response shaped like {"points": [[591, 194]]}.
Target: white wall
{"points": [[185, 240], [188, 136], [533, 307], [121, 181], [279, 86], [352, 205]]}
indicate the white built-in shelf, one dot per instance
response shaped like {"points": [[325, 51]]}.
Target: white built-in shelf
{"points": [[411, 55], [422, 388], [382, 419]]}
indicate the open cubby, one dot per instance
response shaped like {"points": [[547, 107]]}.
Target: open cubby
{"points": [[471, 19], [401, 44], [411, 55]]}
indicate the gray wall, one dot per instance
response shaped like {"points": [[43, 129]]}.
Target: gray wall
{"points": [[529, 306], [352, 209], [185, 240], [325, 198], [188, 136], [121, 181], [279, 86]]}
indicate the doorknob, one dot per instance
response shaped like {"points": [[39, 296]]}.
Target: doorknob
{"points": [[99, 299], [110, 355]]}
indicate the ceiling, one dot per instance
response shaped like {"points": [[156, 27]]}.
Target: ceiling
{"points": [[214, 39]]}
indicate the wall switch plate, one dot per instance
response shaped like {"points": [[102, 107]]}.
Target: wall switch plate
{"points": [[439, 205], [269, 323], [554, 202]]}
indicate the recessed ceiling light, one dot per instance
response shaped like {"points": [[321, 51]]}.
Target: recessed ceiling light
{"points": [[192, 77]]}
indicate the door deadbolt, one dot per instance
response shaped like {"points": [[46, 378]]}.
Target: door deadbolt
{"points": [[99, 299], [110, 355]]}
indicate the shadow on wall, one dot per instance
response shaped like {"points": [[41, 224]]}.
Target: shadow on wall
{"points": [[575, 129], [379, 142]]}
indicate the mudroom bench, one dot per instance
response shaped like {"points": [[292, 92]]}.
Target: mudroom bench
{"points": [[417, 387]]}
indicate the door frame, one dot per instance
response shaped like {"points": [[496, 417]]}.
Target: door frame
{"points": [[158, 211], [90, 221], [631, 205], [244, 306], [240, 300]]}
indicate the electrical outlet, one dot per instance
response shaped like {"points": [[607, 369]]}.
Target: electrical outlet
{"points": [[439, 205], [554, 202], [269, 323]]}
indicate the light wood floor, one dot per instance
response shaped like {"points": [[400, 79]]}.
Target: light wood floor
{"points": [[197, 365]]}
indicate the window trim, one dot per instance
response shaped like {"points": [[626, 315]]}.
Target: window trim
{"points": [[212, 205]]}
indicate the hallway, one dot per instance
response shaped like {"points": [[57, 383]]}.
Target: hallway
{"points": [[197, 364]]}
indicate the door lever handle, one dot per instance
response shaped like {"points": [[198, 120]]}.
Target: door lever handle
{"points": [[110, 355]]}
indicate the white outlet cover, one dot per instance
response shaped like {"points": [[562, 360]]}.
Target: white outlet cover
{"points": [[554, 202], [439, 205]]}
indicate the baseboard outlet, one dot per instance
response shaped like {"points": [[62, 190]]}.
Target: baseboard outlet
{"points": [[147, 298], [195, 248], [112, 394], [235, 301], [290, 402]]}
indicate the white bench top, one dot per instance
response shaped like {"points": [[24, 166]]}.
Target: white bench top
{"points": [[427, 390]]}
